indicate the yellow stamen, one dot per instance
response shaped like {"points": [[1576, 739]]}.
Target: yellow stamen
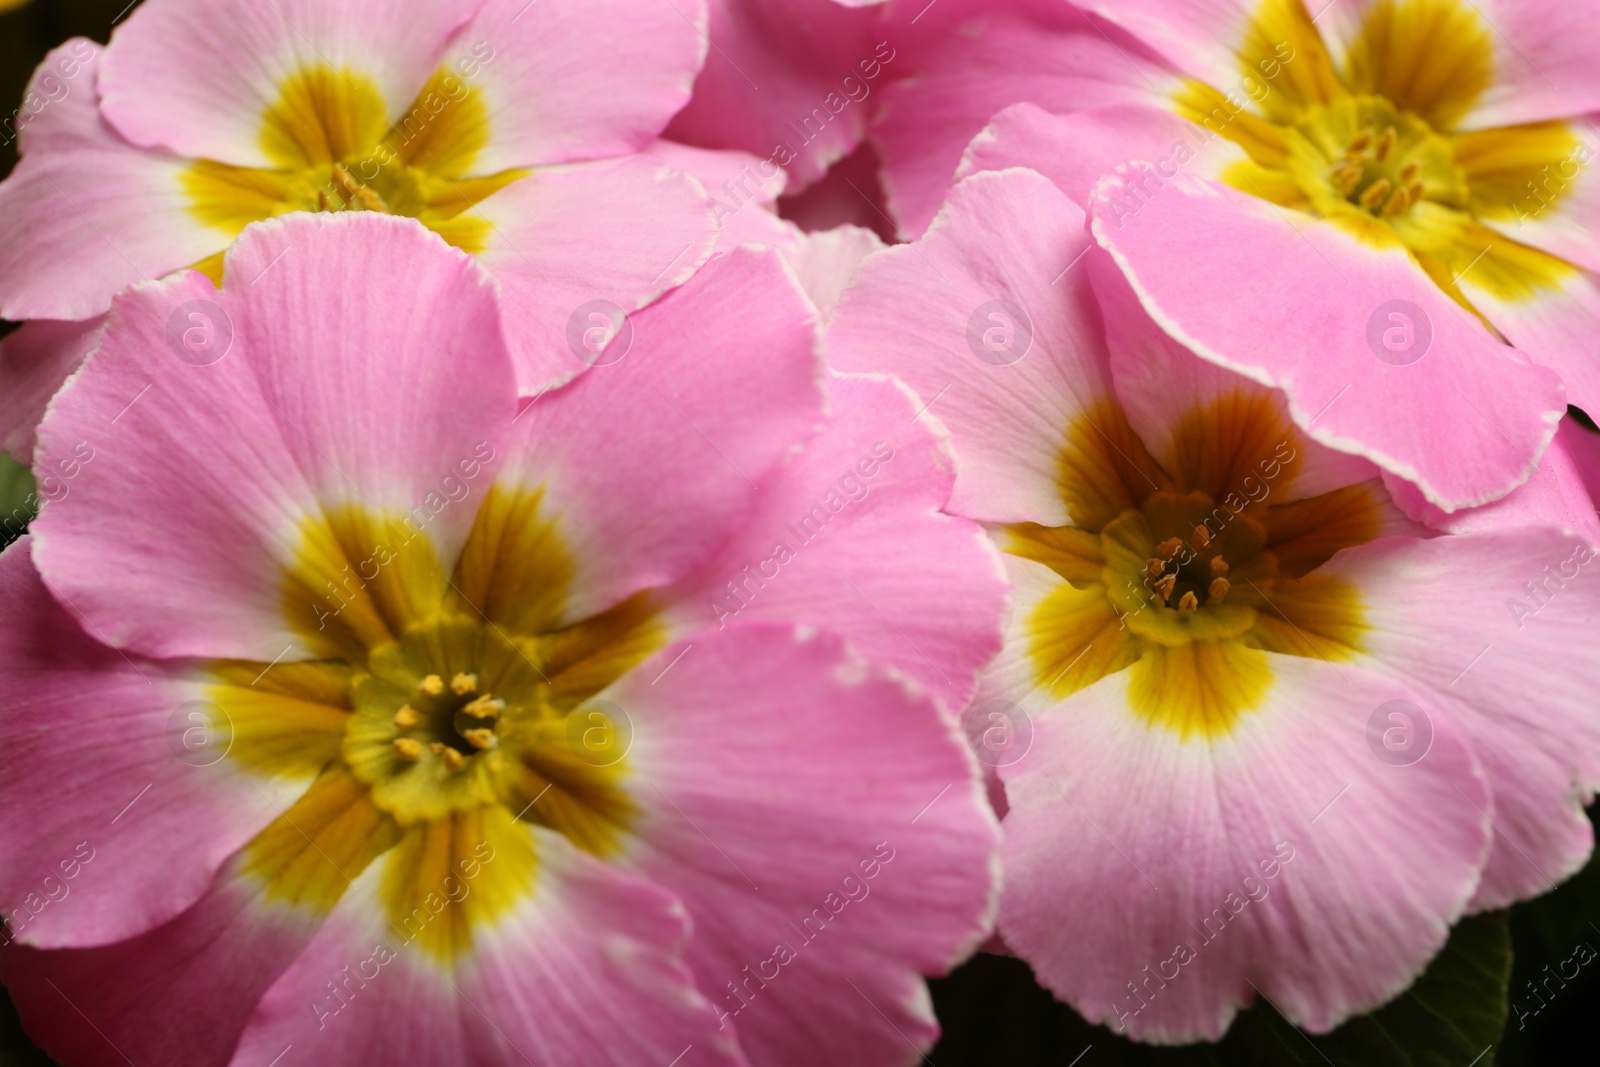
{"points": [[1359, 146], [1219, 589], [1189, 603], [482, 737], [1169, 548], [432, 685], [1398, 204], [462, 684], [1154, 567], [1201, 538], [1386, 143], [408, 748], [1219, 566], [1164, 586], [485, 707], [1409, 172], [370, 199], [452, 759], [1376, 193], [406, 717]]}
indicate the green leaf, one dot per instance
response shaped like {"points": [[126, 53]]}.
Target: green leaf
{"points": [[18, 505]]}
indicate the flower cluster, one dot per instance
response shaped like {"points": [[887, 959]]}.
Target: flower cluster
{"points": [[571, 537]]}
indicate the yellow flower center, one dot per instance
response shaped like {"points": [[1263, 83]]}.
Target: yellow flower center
{"points": [[451, 707], [1374, 146], [1361, 154], [333, 148], [1186, 575]]}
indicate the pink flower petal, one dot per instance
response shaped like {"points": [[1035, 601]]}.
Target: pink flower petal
{"points": [[740, 191], [1286, 857], [974, 59], [867, 853], [1563, 492], [197, 76], [552, 99], [623, 231], [583, 971], [98, 850], [194, 473], [1555, 328], [789, 74], [1075, 151], [866, 491], [1463, 421], [85, 212], [713, 386], [1160, 383], [209, 967], [1199, 37], [61, 106], [924, 312], [735, 177], [1476, 617], [828, 261], [35, 362]]}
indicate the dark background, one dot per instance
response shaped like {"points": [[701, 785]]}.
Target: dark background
{"points": [[992, 1011]]}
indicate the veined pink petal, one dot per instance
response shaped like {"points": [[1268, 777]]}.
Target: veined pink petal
{"points": [[816, 857], [584, 970], [212, 423], [85, 212], [727, 174], [35, 362], [1159, 382], [1555, 328], [740, 191], [551, 99], [61, 106], [1350, 398], [622, 231], [867, 489], [1470, 616], [101, 849], [969, 60], [1075, 151], [787, 80], [197, 76], [210, 965], [1163, 883], [828, 262], [1001, 339], [714, 385], [1564, 492], [1199, 37]]}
